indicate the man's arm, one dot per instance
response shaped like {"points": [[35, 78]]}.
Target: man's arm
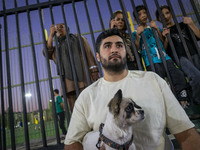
{"points": [[62, 106], [189, 139], [74, 146], [50, 38], [49, 43], [93, 68]]}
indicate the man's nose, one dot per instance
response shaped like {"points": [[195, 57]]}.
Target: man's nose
{"points": [[114, 49]]}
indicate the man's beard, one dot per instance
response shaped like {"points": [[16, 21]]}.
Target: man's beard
{"points": [[114, 66]]}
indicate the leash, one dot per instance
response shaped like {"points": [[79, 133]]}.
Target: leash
{"points": [[110, 143]]}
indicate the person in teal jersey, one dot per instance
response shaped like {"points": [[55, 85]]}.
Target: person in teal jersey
{"points": [[177, 76], [60, 112]]}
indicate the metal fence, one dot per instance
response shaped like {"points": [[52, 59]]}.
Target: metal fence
{"points": [[23, 69]]}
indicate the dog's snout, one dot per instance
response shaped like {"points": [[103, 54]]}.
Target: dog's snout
{"points": [[141, 112]]}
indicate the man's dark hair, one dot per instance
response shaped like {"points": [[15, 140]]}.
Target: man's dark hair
{"points": [[106, 34], [56, 91], [137, 9], [114, 15], [161, 8]]}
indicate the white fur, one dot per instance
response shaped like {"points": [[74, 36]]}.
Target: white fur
{"points": [[111, 131], [122, 115]]}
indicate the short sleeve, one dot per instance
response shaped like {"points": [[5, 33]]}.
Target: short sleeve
{"points": [[176, 118], [59, 99], [78, 126]]}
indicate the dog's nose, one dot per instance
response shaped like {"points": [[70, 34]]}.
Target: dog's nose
{"points": [[141, 112]]}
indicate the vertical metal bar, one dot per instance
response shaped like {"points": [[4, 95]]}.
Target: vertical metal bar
{"points": [[144, 39], [99, 13], [9, 81], [49, 78], [130, 34], [0, 136], [36, 79], [92, 36], [109, 7], [81, 44], [195, 10], [26, 131], [159, 48], [62, 78], [2, 98], [179, 30], [171, 44], [190, 30]]}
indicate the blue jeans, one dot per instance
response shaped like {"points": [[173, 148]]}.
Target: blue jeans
{"points": [[193, 75]]}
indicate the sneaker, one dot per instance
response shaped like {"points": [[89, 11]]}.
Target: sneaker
{"points": [[63, 137], [182, 96]]}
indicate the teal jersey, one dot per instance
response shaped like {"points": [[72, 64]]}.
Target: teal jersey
{"points": [[151, 42], [57, 103]]}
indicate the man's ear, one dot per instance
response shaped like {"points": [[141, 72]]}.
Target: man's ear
{"points": [[98, 57]]}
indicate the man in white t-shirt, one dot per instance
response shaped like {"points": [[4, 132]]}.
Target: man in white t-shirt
{"points": [[147, 89]]}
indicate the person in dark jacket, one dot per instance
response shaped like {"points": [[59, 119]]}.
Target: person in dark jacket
{"points": [[66, 70]]}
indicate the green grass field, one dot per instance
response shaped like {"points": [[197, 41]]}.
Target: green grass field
{"points": [[34, 133]]}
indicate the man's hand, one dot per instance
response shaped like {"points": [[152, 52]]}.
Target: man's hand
{"points": [[52, 30], [95, 76]]}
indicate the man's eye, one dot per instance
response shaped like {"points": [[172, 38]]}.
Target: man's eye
{"points": [[107, 46], [119, 45]]}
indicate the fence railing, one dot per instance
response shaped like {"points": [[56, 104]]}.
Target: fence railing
{"points": [[23, 68]]}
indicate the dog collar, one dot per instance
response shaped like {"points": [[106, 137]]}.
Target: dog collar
{"points": [[110, 143]]}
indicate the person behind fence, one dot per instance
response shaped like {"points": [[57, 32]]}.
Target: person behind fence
{"points": [[177, 76], [66, 69], [60, 111], [192, 70], [117, 21], [159, 103]]}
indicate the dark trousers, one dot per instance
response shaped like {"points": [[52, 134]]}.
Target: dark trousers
{"points": [[61, 119], [193, 75], [177, 76]]}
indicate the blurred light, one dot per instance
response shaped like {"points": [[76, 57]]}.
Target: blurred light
{"points": [[28, 94], [50, 100]]}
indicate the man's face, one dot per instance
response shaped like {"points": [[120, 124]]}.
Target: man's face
{"points": [[142, 14], [167, 15], [112, 54], [119, 19], [60, 30]]}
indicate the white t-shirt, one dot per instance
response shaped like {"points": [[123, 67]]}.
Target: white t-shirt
{"points": [[149, 91]]}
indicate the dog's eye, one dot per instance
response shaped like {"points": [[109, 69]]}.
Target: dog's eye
{"points": [[129, 108]]}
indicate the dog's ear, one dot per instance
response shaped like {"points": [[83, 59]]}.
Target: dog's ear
{"points": [[114, 104]]}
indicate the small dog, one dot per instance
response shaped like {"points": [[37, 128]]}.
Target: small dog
{"points": [[117, 131]]}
